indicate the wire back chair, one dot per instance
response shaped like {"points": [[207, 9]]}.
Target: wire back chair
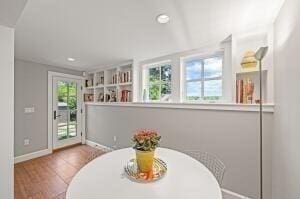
{"points": [[214, 164]]}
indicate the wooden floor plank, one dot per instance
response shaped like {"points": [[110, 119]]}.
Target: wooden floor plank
{"points": [[49, 176]]}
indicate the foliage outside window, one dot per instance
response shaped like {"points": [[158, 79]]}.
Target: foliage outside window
{"points": [[158, 82], [203, 78], [67, 108]]}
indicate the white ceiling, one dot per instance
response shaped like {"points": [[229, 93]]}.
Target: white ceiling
{"points": [[10, 10], [104, 32]]}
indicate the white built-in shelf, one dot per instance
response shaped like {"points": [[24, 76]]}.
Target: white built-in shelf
{"points": [[116, 80], [250, 72], [111, 85], [125, 84], [99, 86], [253, 40]]}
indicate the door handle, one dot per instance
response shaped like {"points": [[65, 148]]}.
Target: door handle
{"points": [[56, 116]]}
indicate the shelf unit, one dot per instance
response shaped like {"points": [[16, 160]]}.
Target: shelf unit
{"points": [[253, 40], [113, 84]]}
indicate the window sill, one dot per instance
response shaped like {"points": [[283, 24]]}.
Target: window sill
{"points": [[268, 108]]}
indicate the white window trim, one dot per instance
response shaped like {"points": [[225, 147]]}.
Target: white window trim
{"points": [[145, 79], [184, 82]]}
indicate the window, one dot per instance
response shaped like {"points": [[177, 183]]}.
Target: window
{"points": [[203, 78], [157, 82]]}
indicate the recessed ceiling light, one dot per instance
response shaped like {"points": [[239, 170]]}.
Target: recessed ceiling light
{"points": [[71, 59], [163, 18]]}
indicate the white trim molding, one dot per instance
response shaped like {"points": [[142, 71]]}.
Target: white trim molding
{"points": [[33, 155], [232, 195], [98, 146], [268, 108]]}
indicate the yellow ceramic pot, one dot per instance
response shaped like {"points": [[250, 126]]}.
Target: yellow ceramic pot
{"points": [[145, 160]]}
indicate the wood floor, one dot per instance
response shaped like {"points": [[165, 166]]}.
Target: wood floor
{"points": [[48, 177]]}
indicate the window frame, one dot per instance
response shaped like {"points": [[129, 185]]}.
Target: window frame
{"points": [[146, 83], [202, 80]]}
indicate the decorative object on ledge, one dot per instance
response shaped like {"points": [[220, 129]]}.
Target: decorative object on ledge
{"points": [[89, 83], [88, 97], [249, 63], [101, 97]]}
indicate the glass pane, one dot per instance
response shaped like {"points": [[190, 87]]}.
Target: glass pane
{"points": [[154, 92], [72, 129], [63, 101], [213, 67], [154, 76], [62, 120], [73, 116], [73, 123], [67, 110], [165, 92], [193, 91], [62, 132], [72, 103], [166, 71], [213, 89], [193, 69], [62, 89], [73, 89]]}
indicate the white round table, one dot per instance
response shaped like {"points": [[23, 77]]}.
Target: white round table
{"points": [[104, 177]]}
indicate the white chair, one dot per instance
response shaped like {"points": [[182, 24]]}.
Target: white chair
{"points": [[215, 165]]}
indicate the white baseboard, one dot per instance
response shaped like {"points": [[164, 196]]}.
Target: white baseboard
{"points": [[232, 195], [99, 146], [33, 155]]}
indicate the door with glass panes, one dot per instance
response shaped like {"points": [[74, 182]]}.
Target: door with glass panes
{"points": [[67, 102]]}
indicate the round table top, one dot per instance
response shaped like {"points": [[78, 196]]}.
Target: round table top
{"points": [[104, 177]]}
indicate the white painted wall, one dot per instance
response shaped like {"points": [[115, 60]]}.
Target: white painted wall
{"points": [[232, 136], [286, 139], [7, 111]]}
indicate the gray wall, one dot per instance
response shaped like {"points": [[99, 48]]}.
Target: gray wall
{"points": [[7, 112], [286, 143], [31, 90], [232, 136]]}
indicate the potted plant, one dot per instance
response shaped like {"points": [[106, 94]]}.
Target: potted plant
{"points": [[145, 143]]}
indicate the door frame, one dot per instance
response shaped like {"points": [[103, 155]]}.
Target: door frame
{"points": [[52, 74]]}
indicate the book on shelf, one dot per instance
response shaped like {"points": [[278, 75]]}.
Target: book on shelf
{"points": [[244, 91], [100, 81], [125, 96], [125, 77], [114, 78], [239, 91]]}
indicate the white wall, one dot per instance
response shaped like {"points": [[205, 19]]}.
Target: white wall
{"points": [[231, 135], [286, 143], [7, 111]]}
